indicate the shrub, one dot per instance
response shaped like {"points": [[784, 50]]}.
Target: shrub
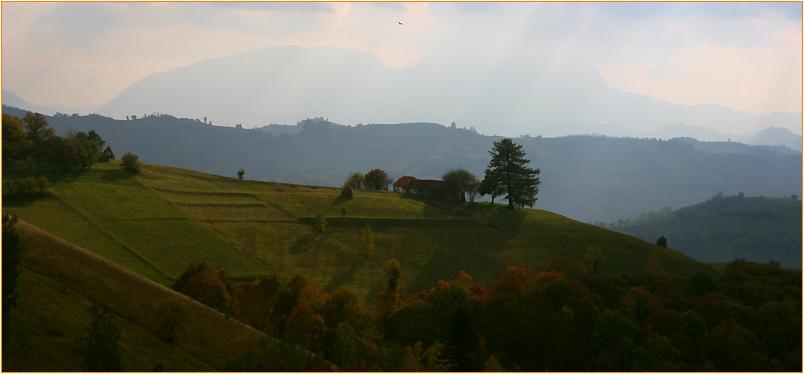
{"points": [[11, 265], [100, 348], [368, 239], [207, 285], [347, 193], [42, 185], [169, 316], [130, 163], [321, 223], [106, 155], [29, 186]]}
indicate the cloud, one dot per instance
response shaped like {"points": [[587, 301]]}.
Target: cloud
{"points": [[760, 72], [85, 53]]}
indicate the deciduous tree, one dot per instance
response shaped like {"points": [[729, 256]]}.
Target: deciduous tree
{"points": [[11, 265], [355, 181], [377, 179], [100, 348], [464, 181]]}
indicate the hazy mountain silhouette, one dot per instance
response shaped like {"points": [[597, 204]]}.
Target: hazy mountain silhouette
{"points": [[584, 177], [11, 99], [523, 96], [777, 136], [677, 130], [772, 136]]}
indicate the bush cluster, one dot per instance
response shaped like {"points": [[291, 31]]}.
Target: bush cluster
{"points": [[130, 163], [26, 187]]}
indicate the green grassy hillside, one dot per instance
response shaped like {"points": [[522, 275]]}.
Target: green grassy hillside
{"points": [[50, 317], [722, 229], [157, 222], [58, 283]]}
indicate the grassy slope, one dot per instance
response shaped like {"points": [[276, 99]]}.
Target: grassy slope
{"points": [[719, 230], [49, 318], [58, 283], [157, 222]]}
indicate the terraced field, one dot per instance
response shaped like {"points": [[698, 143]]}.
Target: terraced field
{"points": [[158, 222]]}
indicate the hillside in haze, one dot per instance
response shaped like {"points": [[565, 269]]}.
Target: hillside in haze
{"points": [[584, 177], [283, 84], [721, 229]]}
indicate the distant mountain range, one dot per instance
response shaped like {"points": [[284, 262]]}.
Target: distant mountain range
{"points": [[10, 99], [522, 96], [770, 136], [777, 136], [589, 178], [724, 228]]}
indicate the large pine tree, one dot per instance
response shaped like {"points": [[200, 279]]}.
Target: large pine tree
{"points": [[508, 170]]}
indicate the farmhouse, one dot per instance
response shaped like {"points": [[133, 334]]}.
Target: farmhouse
{"points": [[426, 188]]}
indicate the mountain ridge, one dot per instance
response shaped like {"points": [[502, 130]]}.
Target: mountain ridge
{"points": [[286, 83]]}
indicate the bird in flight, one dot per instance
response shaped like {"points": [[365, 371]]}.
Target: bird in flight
{"points": [[400, 22]]}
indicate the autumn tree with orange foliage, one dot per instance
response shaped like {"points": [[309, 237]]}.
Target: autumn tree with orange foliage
{"points": [[207, 285]]}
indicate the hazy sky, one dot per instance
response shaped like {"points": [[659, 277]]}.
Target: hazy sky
{"points": [[746, 56]]}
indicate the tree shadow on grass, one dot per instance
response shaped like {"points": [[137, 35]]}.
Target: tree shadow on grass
{"points": [[20, 201], [474, 250], [307, 242], [302, 244], [340, 200], [434, 206], [348, 275], [499, 217], [114, 175]]}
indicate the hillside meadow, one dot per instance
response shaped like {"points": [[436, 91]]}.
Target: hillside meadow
{"points": [[159, 221], [60, 281]]}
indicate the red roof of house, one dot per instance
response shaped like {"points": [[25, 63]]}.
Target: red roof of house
{"points": [[404, 181]]}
